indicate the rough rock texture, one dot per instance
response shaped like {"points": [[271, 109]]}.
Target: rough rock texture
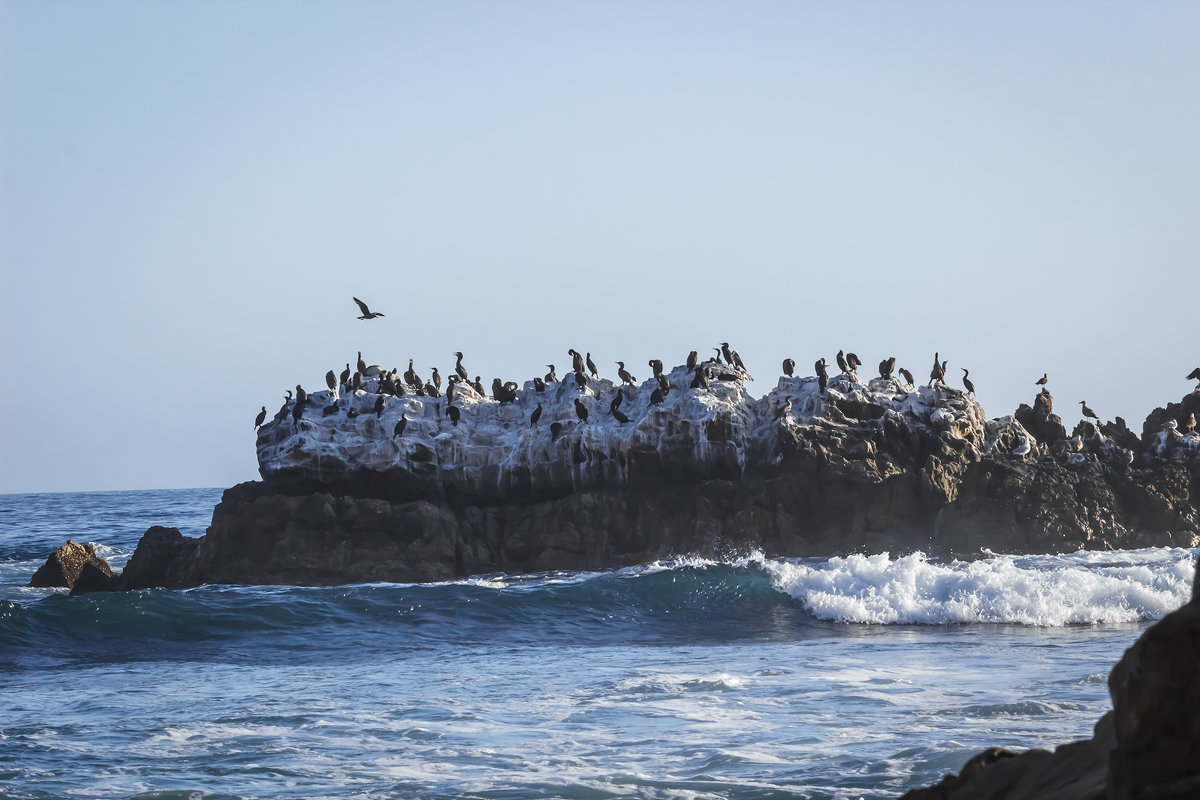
{"points": [[95, 578], [1147, 747], [64, 565]]}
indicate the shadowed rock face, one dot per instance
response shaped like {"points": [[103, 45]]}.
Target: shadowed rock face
{"points": [[65, 564], [1148, 746]]}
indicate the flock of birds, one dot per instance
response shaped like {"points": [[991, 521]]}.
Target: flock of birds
{"points": [[725, 365]]}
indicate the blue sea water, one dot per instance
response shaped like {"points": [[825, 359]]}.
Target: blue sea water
{"points": [[749, 678]]}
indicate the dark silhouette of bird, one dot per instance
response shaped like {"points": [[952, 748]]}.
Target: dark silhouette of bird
{"points": [[576, 360], [366, 312], [329, 410], [841, 359], [379, 406], [591, 366], [539, 385], [620, 416], [784, 410], [550, 376], [908, 376], [789, 367], [1194, 374], [503, 392], [556, 429], [400, 426], [967, 381], [823, 382], [692, 359], [345, 376], [938, 373], [437, 379], [819, 366], [301, 395], [581, 410], [663, 383], [298, 411], [726, 354], [431, 390], [700, 379], [616, 402], [1042, 381], [624, 375], [478, 387], [410, 376], [536, 415], [854, 361], [656, 366], [459, 369], [331, 381], [737, 361], [356, 381], [451, 389], [262, 415], [581, 381], [656, 397], [1087, 412], [454, 413], [886, 366], [1191, 423], [362, 365]]}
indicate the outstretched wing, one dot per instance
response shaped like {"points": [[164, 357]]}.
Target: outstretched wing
{"points": [[366, 311]]}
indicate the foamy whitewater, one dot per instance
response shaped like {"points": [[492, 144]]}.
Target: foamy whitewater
{"points": [[847, 677]]}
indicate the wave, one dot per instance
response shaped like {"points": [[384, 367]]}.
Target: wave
{"points": [[1083, 587], [688, 598]]}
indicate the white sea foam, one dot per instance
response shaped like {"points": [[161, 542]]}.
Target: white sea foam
{"points": [[1084, 587]]}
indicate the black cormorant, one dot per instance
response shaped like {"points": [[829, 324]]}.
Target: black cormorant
{"points": [[819, 366], [539, 385], [886, 366], [823, 382], [591, 366], [366, 312], [737, 361], [451, 389], [576, 360], [841, 359], [437, 380], [262, 415], [581, 410], [789, 367], [725, 352], [431, 390], [459, 369], [379, 406], [692, 359], [854, 361], [624, 375], [454, 413], [663, 383], [967, 381], [362, 365], [656, 366], [656, 397], [550, 376], [331, 381], [345, 374], [301, 395], [410, 376], [400, 426], [536, 415], [298, 411], [908, 376], [581, 381], [616, 402], [478, 387], [620, 416], [700, 379]]}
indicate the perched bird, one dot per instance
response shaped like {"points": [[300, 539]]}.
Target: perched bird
{"points": [[854, 361], [656, 397], [410, 376], [656, 366], [331, 381], [784, 410], [298, 411], [663, 383], [700, 379], [789, 367], [581, 381], [967, 381], [726, 353], [576, 360], [362, 365], [539, 385], [262, 415], [620, 416], [624, 375], [692, 358], [459, 369], [581, 410], [454, 413], [1087, 412], [400, 426], [823, 381], [550, 376], [366, 312], [536, 415], [737, 361], [478, 387], [301, 395], [330, 409], [345, 374], [431, 390], [819, 366], [616, 402], [1042, 381], [555, 431], [886, 366], [591, 366], [1191, 423], [908, 376], [379, 406], [938, 373], [437, 379], [841, 359], [451, 389]]}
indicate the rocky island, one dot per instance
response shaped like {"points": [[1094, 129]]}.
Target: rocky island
{"points": [[380, 478]]}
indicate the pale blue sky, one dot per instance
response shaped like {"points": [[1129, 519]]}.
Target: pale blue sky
{"points": [[192, 191]]}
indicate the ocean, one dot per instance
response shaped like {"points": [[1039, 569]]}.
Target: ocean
{"points": [[748, 677]]}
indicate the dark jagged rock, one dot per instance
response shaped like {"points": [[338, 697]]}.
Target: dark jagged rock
{"points": [[95, 578], [151, 564], [1041, 421], [1148, 746], [65, 564]]}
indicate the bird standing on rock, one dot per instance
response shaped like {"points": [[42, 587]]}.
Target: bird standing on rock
{"points": [[262, 415], [967, 381], [789, 367], [841, 361], [536, 415], [619, 416], [379, 405], [331, 381], [1042, 381], [591, 366], [459, 369], [886, 366], [400, 426], [366, 312], [624, 375], [1087, 412], [908, 376], [576, 360], [692, 359], [550, 376], [454, 413], [581, 410]]}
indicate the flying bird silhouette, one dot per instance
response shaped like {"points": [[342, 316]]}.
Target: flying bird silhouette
{"points": [[366, 312]]}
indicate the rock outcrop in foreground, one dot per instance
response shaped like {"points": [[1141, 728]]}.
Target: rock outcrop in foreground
{"points": [[375, 487], [1148, 746]]}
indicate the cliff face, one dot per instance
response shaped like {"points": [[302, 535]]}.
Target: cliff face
{"points": [[871, 466]]}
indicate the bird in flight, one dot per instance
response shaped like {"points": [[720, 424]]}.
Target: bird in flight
{"points": [[366, 312]]}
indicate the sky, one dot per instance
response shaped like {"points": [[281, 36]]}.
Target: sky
{"points": [[192, 192]]}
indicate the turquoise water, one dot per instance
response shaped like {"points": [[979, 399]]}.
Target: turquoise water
{"points": [[753, 678]]}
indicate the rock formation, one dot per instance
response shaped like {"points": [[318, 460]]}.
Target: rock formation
{"points": [[349, 494], [1148, 746]]}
